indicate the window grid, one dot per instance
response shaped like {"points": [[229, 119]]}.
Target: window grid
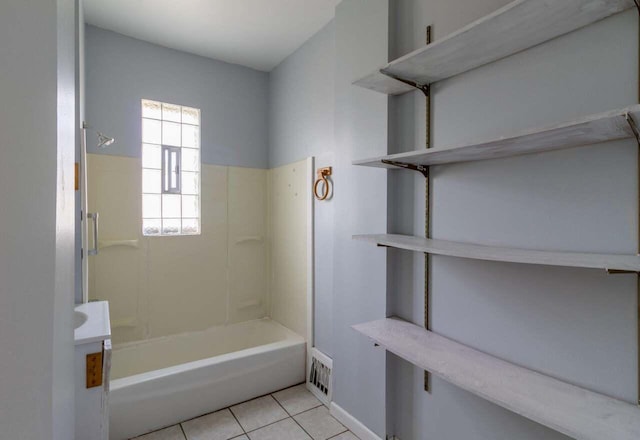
{"points": [[164, 125]]}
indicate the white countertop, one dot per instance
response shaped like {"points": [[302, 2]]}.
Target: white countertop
{"points": [[97, 327]]}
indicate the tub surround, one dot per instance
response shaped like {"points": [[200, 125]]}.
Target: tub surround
{"points": [[187, 310], [172, 285], [288, 214], [250, 260]]}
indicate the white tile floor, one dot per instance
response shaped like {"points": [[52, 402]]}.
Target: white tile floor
{"points": [[291, 414]]}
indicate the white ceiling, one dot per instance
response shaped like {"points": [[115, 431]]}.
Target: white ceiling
{"points": [[253, 33]]}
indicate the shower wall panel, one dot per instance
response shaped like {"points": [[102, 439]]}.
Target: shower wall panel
{"points": [[171, 285], [248, 235], [288, 225]]}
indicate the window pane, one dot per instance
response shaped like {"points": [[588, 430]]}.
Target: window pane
{"points": [[151, 226], [171, 112], [190, 159], [151, 109], [190, 226], [190, 136], [171, 134], [190, 183], [190, 206], [190, 116], [171, 226], [171, 206], [151, 181], [151, 131], [151, 156], [151, 207]]}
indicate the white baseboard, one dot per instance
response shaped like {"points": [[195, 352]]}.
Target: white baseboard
{"points": [[354, 425]]}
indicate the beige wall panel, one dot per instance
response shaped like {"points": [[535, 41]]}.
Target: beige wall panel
{"points": [[248, 268], [288, 201], [250, 260], [169, 284], [187, 275], [115, 273]]}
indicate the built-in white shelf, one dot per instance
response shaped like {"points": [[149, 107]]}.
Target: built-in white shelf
{"points": [[571, 410], [589, 130], [612, 262], [520, 25]]}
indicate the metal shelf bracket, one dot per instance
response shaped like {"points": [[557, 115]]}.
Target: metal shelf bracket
{"points": [[409, 166], [634, 127], [620, 272], [424, 88]]}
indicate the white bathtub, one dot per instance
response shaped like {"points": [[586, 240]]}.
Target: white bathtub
{"points": [[160, 382]]}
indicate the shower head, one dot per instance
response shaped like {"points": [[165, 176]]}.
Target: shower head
{"points": [[104, 141]]}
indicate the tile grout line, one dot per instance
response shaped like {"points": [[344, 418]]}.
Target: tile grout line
{"points": [[263, 395], [244, 431], [339, 434], [294, 420], [311, 409], [272, 423], [253, 430], [184, 434], [307, 410]]}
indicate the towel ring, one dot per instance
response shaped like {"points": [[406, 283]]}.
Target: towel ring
{"points": [[322, 174]]}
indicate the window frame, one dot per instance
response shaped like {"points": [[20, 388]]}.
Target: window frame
{"points": [[163, 157], [169, 171]]}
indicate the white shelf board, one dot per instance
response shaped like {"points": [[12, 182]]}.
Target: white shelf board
{"points": [[574, 411], [614, 262], [588, 130], [382, 83], [518, 26]]}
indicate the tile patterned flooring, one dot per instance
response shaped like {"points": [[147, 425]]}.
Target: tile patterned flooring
{"points": [[290, 414]]}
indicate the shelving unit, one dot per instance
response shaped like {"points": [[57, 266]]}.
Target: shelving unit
{"points": [[518, 26], [571, 410], [507, 31], [602, 127], [611, 262]]}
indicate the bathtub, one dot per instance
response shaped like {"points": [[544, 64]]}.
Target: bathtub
{"points": [[160, 382]]}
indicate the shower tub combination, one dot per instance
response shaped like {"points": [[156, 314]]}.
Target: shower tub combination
{"points": [[164, 381]]}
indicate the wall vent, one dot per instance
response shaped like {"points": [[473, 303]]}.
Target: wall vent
{"points": [[319, 379]]}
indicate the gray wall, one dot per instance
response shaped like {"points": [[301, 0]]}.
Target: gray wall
{"points": [[36, 246], [233, 99], [360, 206], [311, 96], [577, 325], [301, 104], [301, 101]]}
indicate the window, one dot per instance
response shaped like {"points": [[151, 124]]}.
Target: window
{"points": [[170, 169]]}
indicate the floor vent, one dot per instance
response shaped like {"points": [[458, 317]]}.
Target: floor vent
{"points": [[319, 378]]}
